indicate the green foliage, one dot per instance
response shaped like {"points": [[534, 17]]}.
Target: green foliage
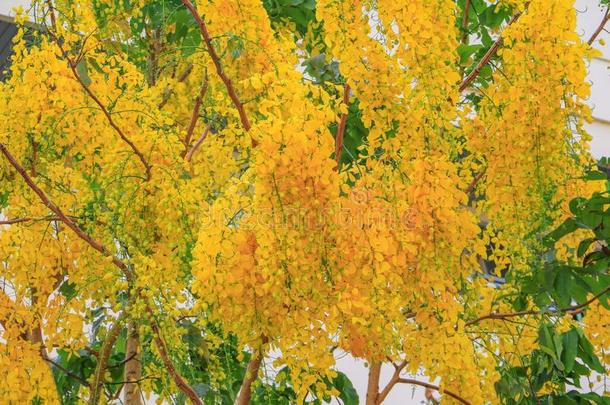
{"points": [[81, 365], [298, 12], [482, 25], [562, 360]]}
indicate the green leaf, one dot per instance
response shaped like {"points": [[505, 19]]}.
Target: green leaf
{"points": [[568, 226], [466, 51], [570, 344], [4, 199], [347, 392], [576, 205], [83, 73], [583, 246], [587, 354], [562, 287], [68, 290], [595, 175], [486, 38]]}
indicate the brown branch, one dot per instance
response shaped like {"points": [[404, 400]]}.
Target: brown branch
{"points": [[118, 130], [433, 387], [245, 392], [191, 152], [15, 221], [600, 28], [372, 389], [63, 217], [488, 55], [28, 219], [52, 14], [133, 365], [184, 387], [169, 365], [568, 310], [393, 381], [464, 39], [341, 128], [474, 182], [72, 64], [168, 93], [102, 361], [195, 115], [216, 60]]}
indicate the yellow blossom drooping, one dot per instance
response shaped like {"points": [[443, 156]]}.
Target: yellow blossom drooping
{"points": [[198, 181]]}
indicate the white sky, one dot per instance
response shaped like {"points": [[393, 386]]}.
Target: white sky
{"points": [[589, 16], [6, 5]]}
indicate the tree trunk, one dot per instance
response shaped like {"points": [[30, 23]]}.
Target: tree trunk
{"points": [[245, 392], [133, 366], [372, 390]]}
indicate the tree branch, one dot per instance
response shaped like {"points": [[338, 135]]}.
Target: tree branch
{"points": [[474, 182], [118, 130], [121, 265], [195, 115], [567, 310], [216, 60], [433, 387], [245, 392], [487, 57], [102, 360], [191, 152], [464, 40], [72, 64], [28, 219], [63, 217], [169, 365], [372, 389], [15, 221], [133, 365], [393, 381], [600, 28], [341, 128]]}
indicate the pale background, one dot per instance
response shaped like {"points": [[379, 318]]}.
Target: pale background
{"points": [[590, 14]]}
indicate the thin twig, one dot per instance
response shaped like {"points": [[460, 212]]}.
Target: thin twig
{"points": [[73, 65], [433, 387], [568, 310], [28, 219], [600, 28], [191, 152], [341, 128], [488, 55], [474, 182], [195, 115], [118, 130], [15, 221], [216, 60]]}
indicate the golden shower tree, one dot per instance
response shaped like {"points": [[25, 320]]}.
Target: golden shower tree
{"points": [[211, 200]]}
